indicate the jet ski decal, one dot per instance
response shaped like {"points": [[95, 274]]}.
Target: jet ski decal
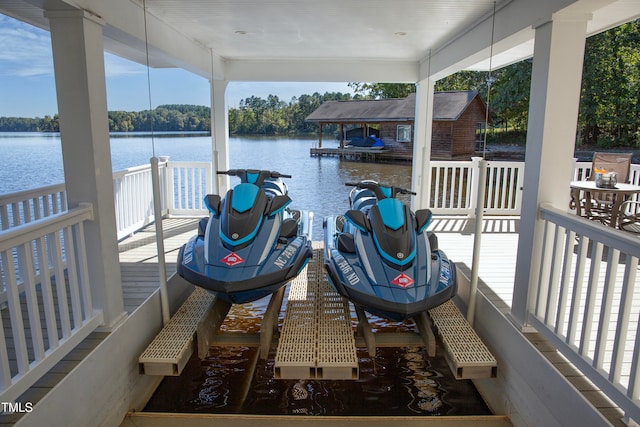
{"points": [[232, 259], [403, 281]]}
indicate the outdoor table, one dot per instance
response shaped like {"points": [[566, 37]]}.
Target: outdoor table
{"points": [[620, 192]]}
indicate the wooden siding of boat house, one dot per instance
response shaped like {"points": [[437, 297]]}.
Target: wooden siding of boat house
{"points": [[456, 117], [456, 138]]}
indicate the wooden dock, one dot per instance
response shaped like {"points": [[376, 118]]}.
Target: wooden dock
{"points": [[362, 155]]}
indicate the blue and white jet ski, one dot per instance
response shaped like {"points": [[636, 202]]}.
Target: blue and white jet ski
{"points": [[252, 243], [380, 256]]}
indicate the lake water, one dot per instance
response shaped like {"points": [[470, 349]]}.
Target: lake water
{"points": [[32, 160]]}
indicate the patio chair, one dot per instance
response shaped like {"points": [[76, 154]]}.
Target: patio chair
{"points": [[630, 216], [600, 204]]}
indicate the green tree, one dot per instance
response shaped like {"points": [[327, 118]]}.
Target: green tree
{"points": [[510, 95], [465, 80], [611, 88], [383, 90]]}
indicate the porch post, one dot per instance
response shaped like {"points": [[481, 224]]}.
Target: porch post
{"points": [[422, 128], [553, 114], [219, 135], [78, 59]]}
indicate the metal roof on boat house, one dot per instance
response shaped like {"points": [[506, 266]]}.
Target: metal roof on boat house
{"points": [[446, 106]]}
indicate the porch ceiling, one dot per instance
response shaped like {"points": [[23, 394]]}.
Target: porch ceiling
{"points": [[214, 36]]}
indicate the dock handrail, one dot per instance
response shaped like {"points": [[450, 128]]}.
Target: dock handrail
{"points": [[184, 185], [29, 205], [454, 187], [586, 288], [46, 320]]}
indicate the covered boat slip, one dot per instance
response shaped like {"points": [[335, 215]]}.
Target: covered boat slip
{"points": [[455, 236], [139, 268]]}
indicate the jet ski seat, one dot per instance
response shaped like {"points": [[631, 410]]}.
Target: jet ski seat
{"points": [[289, 228]]}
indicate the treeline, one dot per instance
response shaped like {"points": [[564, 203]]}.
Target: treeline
{"points": [[254, 116], [24, 124], [257, 116], [165, 118], [610, 101], [174, 117]]}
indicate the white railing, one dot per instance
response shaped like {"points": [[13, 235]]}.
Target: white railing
{"points": [[183, 187], [186, 184], [588, 302], [26, 206], [45, 296], [454, 187], [133, 197]]}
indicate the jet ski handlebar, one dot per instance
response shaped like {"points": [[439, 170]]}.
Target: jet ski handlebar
{"points": [[377, 189], [254, 176]]}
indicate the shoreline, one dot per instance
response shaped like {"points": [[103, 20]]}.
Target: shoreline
{"points": [[510, 152]]}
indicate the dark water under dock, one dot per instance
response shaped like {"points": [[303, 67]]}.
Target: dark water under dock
{"points": [[398, 381]]}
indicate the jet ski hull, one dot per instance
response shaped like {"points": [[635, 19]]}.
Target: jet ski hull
{"points": [[351, 281], [236, 279]]}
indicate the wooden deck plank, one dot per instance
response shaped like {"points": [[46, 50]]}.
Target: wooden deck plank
{"points": [[139, 261], [497, 255]]}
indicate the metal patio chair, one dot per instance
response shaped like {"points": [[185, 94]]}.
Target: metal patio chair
{"points": [[630, 216], [600, 204]]}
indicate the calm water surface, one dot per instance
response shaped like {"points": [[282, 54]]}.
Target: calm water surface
{"points": [[398, 381], [32, 160]]}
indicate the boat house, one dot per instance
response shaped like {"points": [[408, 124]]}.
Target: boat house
{"points": [[558, 295], [458, 123]]}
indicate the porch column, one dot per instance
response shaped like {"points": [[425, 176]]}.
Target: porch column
{"points": [[422, 129], [219, 135], [553, 115], [78, 59]]}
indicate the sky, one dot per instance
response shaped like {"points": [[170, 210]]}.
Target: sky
{"points": [[27, 86]]}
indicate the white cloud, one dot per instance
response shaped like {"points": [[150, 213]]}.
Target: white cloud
{"points": [[26, 50], [116, 66]]}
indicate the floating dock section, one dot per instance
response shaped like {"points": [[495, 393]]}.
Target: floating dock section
{"points": [[362, 154], [317, 340], [466, 354], [171, 349]]}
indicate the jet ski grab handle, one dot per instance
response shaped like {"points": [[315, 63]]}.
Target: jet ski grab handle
{"points": [[262, 175], [375, 187]]}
